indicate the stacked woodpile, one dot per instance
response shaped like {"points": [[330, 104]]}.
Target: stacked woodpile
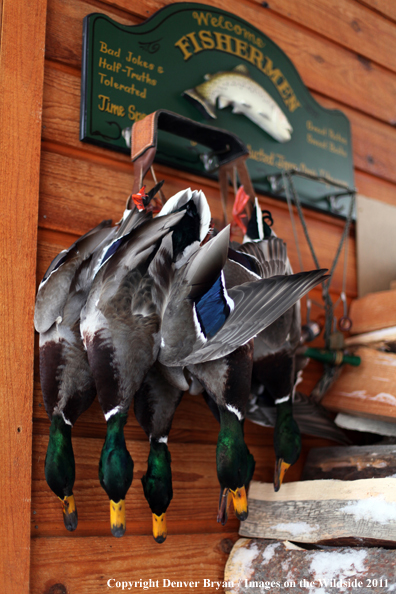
{"points": [[369, 391]]}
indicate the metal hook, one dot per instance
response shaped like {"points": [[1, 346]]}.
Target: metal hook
{"points": [[210, 161]]}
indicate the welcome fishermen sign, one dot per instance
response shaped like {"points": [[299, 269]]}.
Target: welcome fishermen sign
{"points": [[213, 67]]}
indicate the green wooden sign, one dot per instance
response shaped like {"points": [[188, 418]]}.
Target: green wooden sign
{"points": [[213, 67]]}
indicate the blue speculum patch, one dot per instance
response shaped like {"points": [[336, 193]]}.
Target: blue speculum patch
{"points": [[212, 309], [111, 250]]}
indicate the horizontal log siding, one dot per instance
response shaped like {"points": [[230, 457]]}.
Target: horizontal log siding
{"points": [[346, 59]]}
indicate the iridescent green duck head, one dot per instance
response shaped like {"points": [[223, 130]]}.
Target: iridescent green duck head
{"points": [[287, 441], [157, 486], [235, 466], [116, 471], [60, 468]]}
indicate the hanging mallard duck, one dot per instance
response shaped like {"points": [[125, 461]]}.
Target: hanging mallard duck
{"points": [[278, 363], [66, 378], [144, 310]]}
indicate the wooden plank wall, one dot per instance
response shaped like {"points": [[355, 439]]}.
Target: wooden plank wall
{"points": [[346, 58], [21, 88]]}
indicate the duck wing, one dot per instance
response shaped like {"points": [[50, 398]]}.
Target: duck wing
{"points": [[271, 254], [54, 288], [124, 254], [197, 299], [256, 305], [284, 333], [236, 272]]}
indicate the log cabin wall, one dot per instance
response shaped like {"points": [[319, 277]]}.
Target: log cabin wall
{"points": [[346, 57]]}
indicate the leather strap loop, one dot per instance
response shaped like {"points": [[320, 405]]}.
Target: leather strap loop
{"points": [[230, 150]]}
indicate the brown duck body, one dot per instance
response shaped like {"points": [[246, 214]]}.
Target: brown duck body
{"points": [[66, 380]]}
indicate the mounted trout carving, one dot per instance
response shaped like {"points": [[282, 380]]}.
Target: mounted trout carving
{"points": [[238, 89]]}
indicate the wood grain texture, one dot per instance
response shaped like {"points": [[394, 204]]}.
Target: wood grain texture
{"points": [[350, 463], [70, 206], [348, 23], [318, 511], [369, 185], [368, 390], [195, 485], [385, 7], [324, 66], [373, 142], [280, 562], [374, 311], [91, 562], [1, 19], [82, 184], [21, 82]]}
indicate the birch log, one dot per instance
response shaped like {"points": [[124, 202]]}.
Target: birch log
{"points": [[323, 510], [256, 566], [351, 463]]}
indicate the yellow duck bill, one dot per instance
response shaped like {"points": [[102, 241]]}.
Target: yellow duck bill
{"points": [[70, 516], [280, 470], [239, 500], [117, 518], [160, 531]]}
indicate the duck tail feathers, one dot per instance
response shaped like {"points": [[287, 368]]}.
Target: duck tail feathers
{"points": [[175, 202], [205, 266], [271, 253], [83, 247], [181, 198], [137, 241]]}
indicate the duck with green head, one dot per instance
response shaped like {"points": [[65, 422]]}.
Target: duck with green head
{"points": [[116, 471], [226, 385], [156, 400], [287, 440], [207, 326], [67, 383], [155, 404], [235, 467], [120, 326], [275, 347], [66, 380]]}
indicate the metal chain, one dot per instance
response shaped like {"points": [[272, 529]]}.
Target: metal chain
{"points": [[293, 222], [328, 303], [301, 215]]}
